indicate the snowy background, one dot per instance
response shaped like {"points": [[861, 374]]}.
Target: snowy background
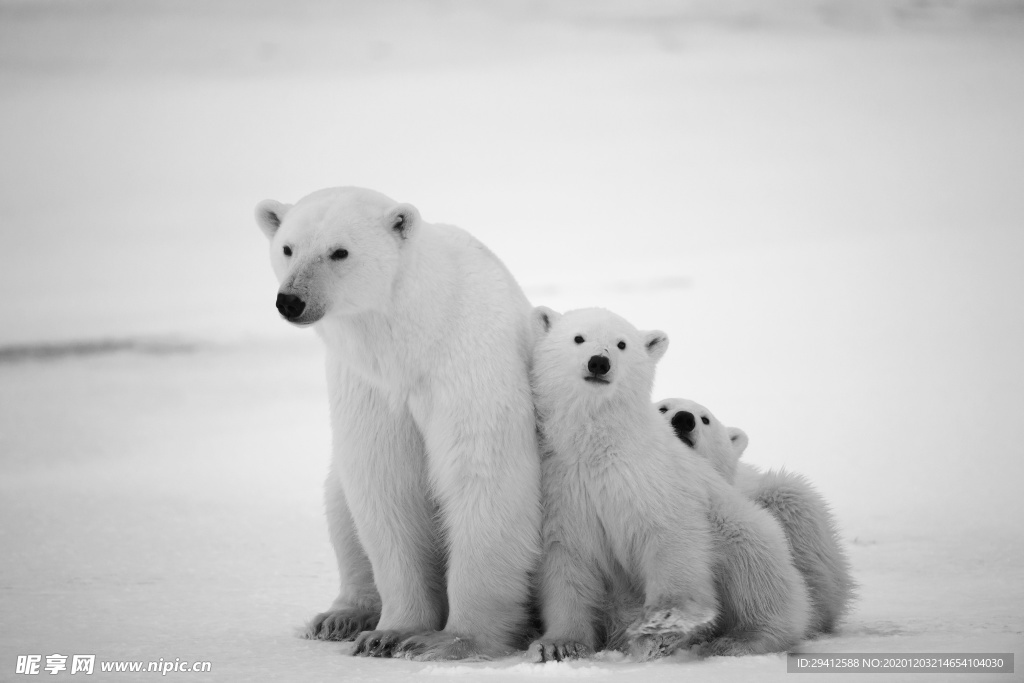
{"points": [[822, 203]]}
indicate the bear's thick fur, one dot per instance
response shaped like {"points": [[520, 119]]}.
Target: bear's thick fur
{"points": [[433, 495], [804, 515], [630, 513]]}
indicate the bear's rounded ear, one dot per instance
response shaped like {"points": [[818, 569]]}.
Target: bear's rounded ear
{"points": [[656, 343], [543, 318], [739, 440], [402, 220], [269, 214]]}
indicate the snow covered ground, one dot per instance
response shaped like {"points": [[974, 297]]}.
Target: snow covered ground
{"points": [[820, 202]]}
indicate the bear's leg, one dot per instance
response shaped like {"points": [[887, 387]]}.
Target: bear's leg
{"points": [[676, 567], [764, 595], [571, 583], [622, 605], [357, 607], [486, 472], [379, 456]]}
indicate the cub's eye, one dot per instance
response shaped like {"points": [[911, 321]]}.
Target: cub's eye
{"points": [[622, 345], [339, 254], [705, 420], [287, 251], [578, 339], [663, 409]]}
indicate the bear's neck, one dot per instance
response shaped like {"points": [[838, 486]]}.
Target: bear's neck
{"points": [[398, 342]]}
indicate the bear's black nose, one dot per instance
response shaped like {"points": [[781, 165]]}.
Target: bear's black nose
{"points": [[290, 306], [684, 422], [599, 365]]}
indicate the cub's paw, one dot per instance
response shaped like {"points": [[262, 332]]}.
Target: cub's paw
{"points": [[545, 650], [341, 624], [646, 648], [440, 645], [682, 620], [377, 643]]}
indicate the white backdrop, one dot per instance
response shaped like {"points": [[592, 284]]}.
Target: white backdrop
{"points": [[819, 202]]}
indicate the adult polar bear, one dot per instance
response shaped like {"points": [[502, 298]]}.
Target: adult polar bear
{"points": [[435, 465]]}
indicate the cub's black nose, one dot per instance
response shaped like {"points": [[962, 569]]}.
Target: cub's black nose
{"points": [[599, 365], [684, 422], [290, 306]]}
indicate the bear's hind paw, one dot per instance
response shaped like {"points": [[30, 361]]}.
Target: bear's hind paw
{"points": [[682, 620], [649, 647], [733, 646]]}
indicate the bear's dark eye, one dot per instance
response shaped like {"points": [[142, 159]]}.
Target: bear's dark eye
{"points": [[622, 345], [663, 409], [578, 339], [287, 251], [339, 254], [705, 420]]}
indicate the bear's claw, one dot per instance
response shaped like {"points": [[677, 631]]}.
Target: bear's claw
{"points": [[377, 643], [557, 650], [341, 624]]}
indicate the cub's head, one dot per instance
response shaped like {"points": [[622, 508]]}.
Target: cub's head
{"points": [[696, 427], [336, 251], [593, 355]]}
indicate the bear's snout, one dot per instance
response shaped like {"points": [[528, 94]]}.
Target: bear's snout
{"points": [[599, 365], [684, 422], [290, 306]]}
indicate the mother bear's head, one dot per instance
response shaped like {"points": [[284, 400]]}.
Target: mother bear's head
{"points": [[336, 251]]}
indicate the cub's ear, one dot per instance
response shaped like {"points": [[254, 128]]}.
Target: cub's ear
{"points": [[269, 214], [656, 343], [739, 440], [402, 220], [543, 318]]}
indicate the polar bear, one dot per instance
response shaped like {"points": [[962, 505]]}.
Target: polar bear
{"points": [[629, 511], [433, 495], [804, 515]]}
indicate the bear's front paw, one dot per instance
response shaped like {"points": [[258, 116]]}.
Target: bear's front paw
{"points": [[377, 643], [439, 645], [681, 620], [341, 624], [546, 650]]}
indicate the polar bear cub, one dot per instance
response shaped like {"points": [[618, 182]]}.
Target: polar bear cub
{"points": [[433, 497], [629, 511], [804, 515]]}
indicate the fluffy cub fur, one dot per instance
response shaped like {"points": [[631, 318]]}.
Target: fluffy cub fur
{"points": [[803, 513], [645, 546]]}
